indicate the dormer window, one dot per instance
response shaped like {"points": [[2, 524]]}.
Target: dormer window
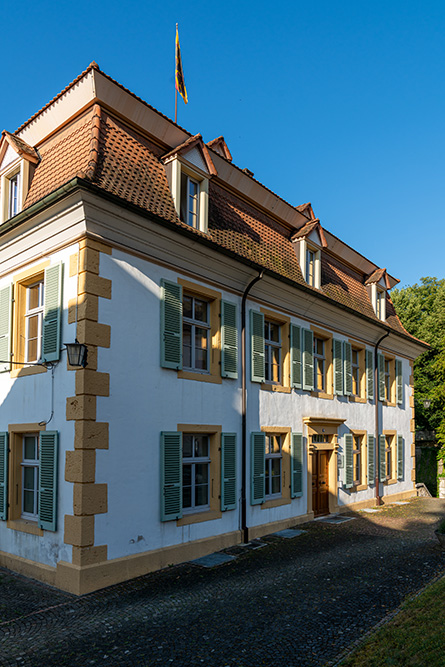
{"points": [[380, 303], [190, 200], [189, 168], [310, 262], [377, 284], [310, 266], [13, 204], [308, 242], [17, 163]]}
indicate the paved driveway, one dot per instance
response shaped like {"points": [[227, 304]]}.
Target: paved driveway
{"points": [[299, 601]]}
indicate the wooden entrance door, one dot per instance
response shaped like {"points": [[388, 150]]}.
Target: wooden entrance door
{"points": [[320, 485]]}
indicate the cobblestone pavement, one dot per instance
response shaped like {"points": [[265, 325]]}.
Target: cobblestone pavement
{"points": [[299, 601]]}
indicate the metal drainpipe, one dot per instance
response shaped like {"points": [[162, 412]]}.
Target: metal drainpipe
{"points": [[377, 437], [244, 407]]}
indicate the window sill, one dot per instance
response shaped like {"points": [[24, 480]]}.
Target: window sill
{"points": [[389, 404], [359, 487], [322, 394], [391, 481], [200, 377], [25, 526], [208, 515], [279, 388], [276, 502], [356, 399], [27, 370]]}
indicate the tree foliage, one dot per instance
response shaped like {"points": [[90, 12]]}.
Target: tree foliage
{"points": [[421, 309]]}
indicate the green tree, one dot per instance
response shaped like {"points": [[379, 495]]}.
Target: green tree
{"points": [[421, 309]]}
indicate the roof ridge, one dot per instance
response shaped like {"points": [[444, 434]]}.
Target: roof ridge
{"points": [[93, 162], [92, 65]]}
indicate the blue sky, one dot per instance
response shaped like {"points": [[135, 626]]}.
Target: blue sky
{"points": [[337, 103]]}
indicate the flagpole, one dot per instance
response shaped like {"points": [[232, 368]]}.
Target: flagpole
{"points": [[176, 90]]}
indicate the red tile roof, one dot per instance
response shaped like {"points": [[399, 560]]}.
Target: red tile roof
{"points": [[21, 147], [100, 148]]}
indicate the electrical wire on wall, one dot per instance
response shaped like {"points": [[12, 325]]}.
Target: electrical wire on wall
{"points": [[52, 367]]}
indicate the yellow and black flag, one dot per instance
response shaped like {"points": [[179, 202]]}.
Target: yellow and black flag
{"points": [[179, 74]]}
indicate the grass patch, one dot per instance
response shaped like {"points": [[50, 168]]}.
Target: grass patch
{"points": [[414, 637]]}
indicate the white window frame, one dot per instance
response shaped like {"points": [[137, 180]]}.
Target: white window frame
{"points": [[269, 458], [357, 453], [189, 201], [34, 312], [388, 456], [20, 170], [378, 300], [35, 465], [194, 324], [320, 359], [193, 461], [308, 250], [175, 169], [270, 345], [355, 367]]}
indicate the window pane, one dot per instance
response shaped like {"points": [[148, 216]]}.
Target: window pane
{"points": [[201, 495], [201, 348], [28, 502], [274, 332], [201, 473], [201, 310], [30, 447], [33, 326], [275, 441], [28, 478], [267, 479], [187, 306], [32, 350], [34, 297], [276, 485], [275, 367], [187, 475], [201, 445], [187, 345], [186, 496], [187, 445]]}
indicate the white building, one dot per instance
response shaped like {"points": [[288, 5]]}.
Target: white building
{"points": [[121, 230]]}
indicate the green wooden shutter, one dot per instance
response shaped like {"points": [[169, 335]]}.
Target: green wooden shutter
{"points": [[4, 440], [48, 441], [257, 468], [52, 312], [308, 359], [338, 366], [349, 464], [257, 366], [171, 325], [400, 456], [297, 465], [5, 327], [369, 375], [347, 353], [171, 475], [371, 459], [229, 340], [228, 471], [295, 351], [399, 381], [382, 447], [381, 367]]}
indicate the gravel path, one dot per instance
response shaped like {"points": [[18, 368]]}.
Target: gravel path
{"points": [[299, 601]]}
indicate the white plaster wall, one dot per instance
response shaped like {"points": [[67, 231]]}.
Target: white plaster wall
{"points": [[146, 399], [28, 400]]}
